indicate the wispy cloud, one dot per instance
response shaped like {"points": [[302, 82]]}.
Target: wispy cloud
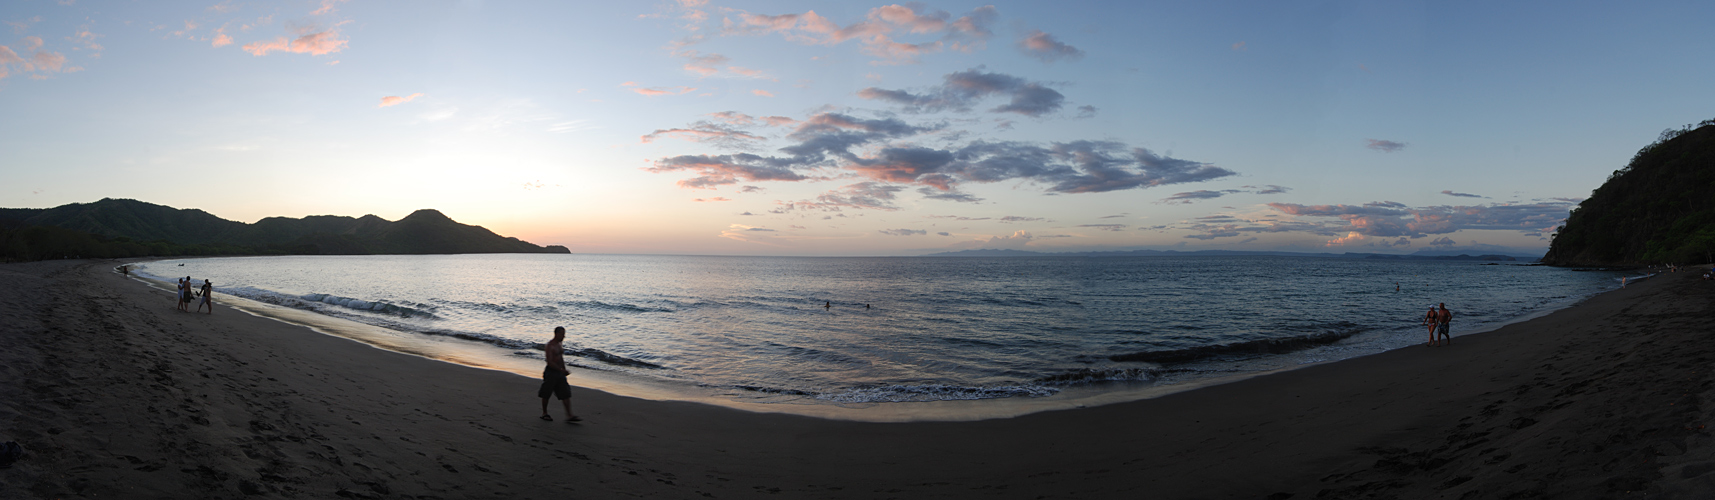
{"points": [[1450, 192], [1046, 48], [315, 44], [38, 64], [1384, 146], [877, 32], [863, 195], [962, 90], [1203, 194], [762, 93], [930, 193], [737, 118], [750, 234], [715, 133], [394, 100], [903, 232], [700, 63], [326, 8], [657, 91]]}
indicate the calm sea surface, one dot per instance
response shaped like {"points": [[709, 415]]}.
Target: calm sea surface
{"points": [[892, 329]]}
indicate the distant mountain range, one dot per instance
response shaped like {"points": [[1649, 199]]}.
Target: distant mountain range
{"points": [[129, 228], [1176, 253]]}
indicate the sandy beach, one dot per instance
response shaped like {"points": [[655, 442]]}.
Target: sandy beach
{"points": [[117, 395]]}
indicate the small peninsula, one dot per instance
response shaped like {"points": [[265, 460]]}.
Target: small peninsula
{"points": [[117, 228]]}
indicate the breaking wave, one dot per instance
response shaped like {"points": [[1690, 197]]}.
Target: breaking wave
{"points": [[1263, 346]]}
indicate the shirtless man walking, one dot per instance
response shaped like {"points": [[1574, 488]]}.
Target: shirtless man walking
{"points": [[554, 377], [1442, 318]]}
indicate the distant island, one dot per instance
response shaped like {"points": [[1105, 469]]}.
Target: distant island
{"points": [[1659, 209], [1224, 253], [115, 228]]}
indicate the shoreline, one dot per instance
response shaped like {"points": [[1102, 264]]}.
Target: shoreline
{"points": [[1591, 401], [1177, 377]]}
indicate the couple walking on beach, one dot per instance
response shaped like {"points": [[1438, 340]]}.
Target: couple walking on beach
{"points": [[554, 377], [186, 293], [1437, 320]]}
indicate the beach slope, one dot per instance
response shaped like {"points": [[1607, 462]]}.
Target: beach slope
{"points": [[116, 394]]}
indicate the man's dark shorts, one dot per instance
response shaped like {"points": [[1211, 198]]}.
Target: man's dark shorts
{"points": [[554, 383]]}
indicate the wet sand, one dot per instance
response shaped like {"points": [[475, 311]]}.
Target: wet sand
{"points": [[116, 394]]}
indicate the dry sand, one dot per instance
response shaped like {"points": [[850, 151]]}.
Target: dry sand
{"points": [[115, 394]]}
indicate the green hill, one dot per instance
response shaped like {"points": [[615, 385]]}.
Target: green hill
{"points": [[1660, 208], [129, 228]]}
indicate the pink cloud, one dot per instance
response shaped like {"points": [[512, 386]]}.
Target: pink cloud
{"points": [[7, 56], [88, 40], [327, 7], [32, 43], [315, 44], [222, 40], [863, 195], [753, 73], [1045, 47], [899, 53], [908, 18], [714, 171], [875, 31], [1352, 237], [734, 117], [655, 91], [702, 64], [717, 198], [703, 132], [762, 93], [45, 61], [395, 100]]}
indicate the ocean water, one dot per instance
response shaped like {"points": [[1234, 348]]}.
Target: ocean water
{"points": [[846, 331]]}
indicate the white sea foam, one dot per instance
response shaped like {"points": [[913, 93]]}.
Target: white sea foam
{"points": [[837, 331]]}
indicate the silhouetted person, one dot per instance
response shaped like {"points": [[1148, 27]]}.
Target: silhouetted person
{"points": [[207, 297], [1444, 317], [554, 377], [185, 294], [1432, 318]]}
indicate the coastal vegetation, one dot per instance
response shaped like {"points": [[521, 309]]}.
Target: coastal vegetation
{"points": [[1659, 208], [118, 228]]}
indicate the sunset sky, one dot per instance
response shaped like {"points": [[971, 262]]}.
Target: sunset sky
{"points": [[841, 128]]}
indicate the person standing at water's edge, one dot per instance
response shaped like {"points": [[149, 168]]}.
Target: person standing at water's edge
{"points": [[207, 296], [554, 377], [1443, 318], [1433, 319]]}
